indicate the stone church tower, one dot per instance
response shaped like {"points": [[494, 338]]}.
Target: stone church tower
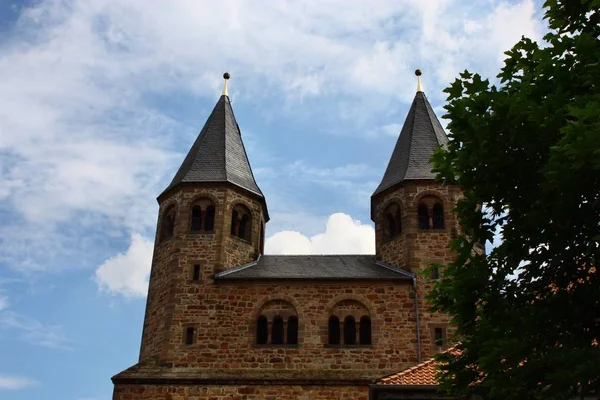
{"points": [[224, 321]]}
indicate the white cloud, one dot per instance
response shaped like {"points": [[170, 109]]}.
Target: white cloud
{"points": [[127, 273], [342, 235], [8, 382], [3, 302], [34, 332], [85, 149]]}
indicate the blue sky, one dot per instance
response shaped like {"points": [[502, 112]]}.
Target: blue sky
{"points": [[100, 101]]}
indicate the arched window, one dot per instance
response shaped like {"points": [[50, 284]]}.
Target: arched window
{"points": [[349, 330], [196, 224], [365, 330], [234, 223], [167, 224], [423, 216], [334, 330], [277, 330], [209, 220], [262, 330], [202, 216], [243, 226], [292, 330], [241, 222], [438, 216], [393, 218]]}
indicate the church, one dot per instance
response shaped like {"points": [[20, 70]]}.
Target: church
{"points": [[225, 321]]}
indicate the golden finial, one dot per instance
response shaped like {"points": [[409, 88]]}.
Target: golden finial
{"points": [[418, 74], [226, 76]]}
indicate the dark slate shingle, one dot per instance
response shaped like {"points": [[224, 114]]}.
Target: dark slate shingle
{"points": [[421, 134], [218, 154], [315, 267]]}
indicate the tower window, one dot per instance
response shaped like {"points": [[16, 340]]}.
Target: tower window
{"points": [[423, 216], [334, 330], [202, 216], [393, 220], [292, 330], [241, 222], [365, 330], [196, 272], [262, 330], [349, 330], [167, 225], [189, 335], [277, 331], [440, 336], [438, 216]]}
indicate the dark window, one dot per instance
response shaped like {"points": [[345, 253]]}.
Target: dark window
{"points": [[277, 331], [435, 273], [438, 216], [423, 217], [439, 337], [365, 330], [243, 227], [391, 226], [167, 225], [262, 330], [209, 220], [334, 330], [196, 224], [196, 272], [189, 335], [234, 223], [292, 330], [262, 238], [349, 330]]}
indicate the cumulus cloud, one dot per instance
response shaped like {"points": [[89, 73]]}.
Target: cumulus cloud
{"points": [[343, 235], [8, 382], [127, 273]]}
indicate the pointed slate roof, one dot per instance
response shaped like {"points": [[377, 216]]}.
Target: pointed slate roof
{"points": [[218, 154], [421, 134]]}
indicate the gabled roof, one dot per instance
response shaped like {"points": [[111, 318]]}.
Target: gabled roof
{"points": [[218, 154], [421, 134], [315, 267]]}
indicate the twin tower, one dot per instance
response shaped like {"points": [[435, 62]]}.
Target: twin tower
{"points": [[225, 321]]}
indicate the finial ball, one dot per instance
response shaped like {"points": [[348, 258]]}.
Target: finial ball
{"points": [[418, 72], [226, 75]]}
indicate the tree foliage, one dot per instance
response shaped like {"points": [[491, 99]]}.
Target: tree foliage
{"points": [[526, 153]]}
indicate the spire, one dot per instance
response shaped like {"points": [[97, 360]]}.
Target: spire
{"points": [[421, 134], [418, 74], [226, 76], [218, 154]]}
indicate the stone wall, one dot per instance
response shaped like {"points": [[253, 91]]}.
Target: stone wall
{"points": [[231, 392]]}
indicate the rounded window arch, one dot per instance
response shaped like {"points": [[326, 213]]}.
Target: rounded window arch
{"points": [[202, 216], [431, 213], [277, 323], [349, 324], [167, 224], [241, 222], [392, 220]]}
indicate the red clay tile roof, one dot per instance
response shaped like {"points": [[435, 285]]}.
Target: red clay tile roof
{"points": [[420, 374]]}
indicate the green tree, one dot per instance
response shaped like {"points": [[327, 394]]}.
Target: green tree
{"points": [[526, 153]]}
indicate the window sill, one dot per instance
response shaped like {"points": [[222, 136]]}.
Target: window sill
{"points": [[348, 346], [443, 230], [275, 346], [201, 233]]}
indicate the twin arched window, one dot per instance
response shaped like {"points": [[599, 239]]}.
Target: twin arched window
{"points": [[277, 324], [430, 213], [202, 216], [349, 331], [241, 222]]}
